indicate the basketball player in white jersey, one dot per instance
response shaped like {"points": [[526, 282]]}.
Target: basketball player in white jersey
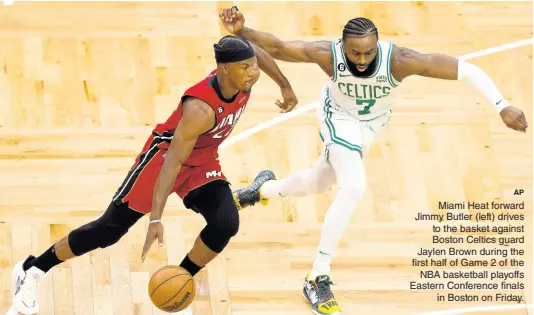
{"points": [[356, 103]]}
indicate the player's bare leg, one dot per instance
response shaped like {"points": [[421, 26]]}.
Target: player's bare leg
{"points": [[63, 251], [200, 254]]}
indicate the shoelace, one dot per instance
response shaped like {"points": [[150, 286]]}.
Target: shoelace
{"points": [[258, 182], [323, 290], [247, 196], [251, 192], [30, 284]]}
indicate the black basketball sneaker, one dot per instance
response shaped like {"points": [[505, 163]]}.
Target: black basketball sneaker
{"points": [[251, 195]]}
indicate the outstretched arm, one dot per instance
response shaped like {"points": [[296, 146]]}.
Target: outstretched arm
{"points": [[407, 62], [292, 51], [268, 65]]}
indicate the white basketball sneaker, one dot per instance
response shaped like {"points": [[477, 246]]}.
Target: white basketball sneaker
{"points": [[25, 288]]}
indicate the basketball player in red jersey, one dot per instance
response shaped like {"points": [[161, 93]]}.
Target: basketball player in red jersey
{"points": [[181, 157]]}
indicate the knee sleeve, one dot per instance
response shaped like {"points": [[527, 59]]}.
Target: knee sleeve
{"points": [[214, 201], [349, 197], [350, 177], [349, 194], [349, 169], [217, 234], [354, 188], [103, 232]]}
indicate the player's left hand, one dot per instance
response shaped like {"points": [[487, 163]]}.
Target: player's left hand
{"points": [[514, 118], [290, 100], [155, 231]]}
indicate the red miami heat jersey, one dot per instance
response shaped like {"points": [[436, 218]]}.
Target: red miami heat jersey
{"points": [[227, 113]]}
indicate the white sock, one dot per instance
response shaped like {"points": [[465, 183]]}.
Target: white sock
{"points": [[321, 265], [301, 183], [351, 183], [291, 186], [272, 188]]}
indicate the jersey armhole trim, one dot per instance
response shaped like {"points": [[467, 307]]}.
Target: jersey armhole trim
{"points": [[391, 78], [379, 54], [334, 60]]}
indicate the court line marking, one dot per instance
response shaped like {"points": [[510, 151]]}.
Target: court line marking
{"points": [[296, 112], [489, 308], [302, 109]]}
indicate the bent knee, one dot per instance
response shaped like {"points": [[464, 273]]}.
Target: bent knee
{"points": [[321, 186], [217, 234], [104, 231], [223, 218], [228, 227], [354, 189], [111, 235], [96, 234]]}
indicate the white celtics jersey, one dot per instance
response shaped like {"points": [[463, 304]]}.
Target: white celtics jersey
{"points": [[365, 98]]}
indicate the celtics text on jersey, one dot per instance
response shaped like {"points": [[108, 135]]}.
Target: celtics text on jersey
{"points": [[369, 97]]}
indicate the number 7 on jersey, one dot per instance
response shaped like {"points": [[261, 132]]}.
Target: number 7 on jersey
{"points": [[367, 103]]}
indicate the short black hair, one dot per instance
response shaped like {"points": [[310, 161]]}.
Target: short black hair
{"points": [[359, 27]]}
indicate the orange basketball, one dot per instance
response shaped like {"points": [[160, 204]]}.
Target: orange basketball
{"points": [[171, 289]]}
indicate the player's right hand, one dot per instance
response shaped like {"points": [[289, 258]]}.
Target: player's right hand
{"points": [[290, 100], [514, 118], [232, 20], [155, 231]]}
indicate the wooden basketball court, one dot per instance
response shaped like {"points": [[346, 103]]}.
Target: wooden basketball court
{"points": [[82, 84]]}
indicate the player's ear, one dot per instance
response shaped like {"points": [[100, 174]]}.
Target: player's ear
{"points": [[225, 68]]}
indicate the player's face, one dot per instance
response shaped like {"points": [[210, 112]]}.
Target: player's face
{"points": [[361, 51], [245, 74]]}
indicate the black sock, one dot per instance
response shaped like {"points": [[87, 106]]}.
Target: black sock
{"points": [[190, 266], [45, 262]]}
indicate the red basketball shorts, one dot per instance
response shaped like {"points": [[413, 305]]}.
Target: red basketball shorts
{"points": [[138, 187]]}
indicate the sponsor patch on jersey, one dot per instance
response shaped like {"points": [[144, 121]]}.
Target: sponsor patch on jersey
{"points": [[381, 79]]}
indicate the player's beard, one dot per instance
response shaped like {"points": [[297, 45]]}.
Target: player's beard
{"points": [[371, 67]]}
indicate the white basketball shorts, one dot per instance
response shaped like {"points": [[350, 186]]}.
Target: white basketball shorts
{"points": [[341, 128]]}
